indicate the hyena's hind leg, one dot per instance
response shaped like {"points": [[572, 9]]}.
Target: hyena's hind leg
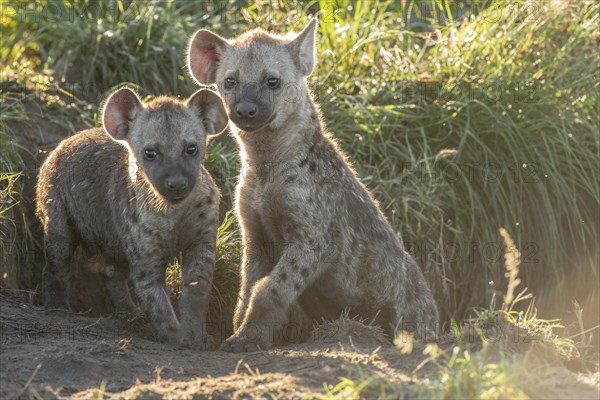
{"points": [[422, 322], [115, 281], [414, 307], [59, 243], [417, 314]]}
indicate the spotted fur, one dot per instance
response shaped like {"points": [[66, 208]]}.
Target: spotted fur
{"points": [[98, 190], [312, 232]]}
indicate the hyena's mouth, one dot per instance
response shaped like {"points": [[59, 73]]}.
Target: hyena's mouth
{"points": [[250, 127], [175, 200]]}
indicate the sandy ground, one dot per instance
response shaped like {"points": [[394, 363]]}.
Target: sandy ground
{"points": [[55, 353]]}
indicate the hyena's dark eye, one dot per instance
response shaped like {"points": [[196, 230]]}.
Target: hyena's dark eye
{"points": [[230, 83], [273, 83], [150, 154], [191, 150]]}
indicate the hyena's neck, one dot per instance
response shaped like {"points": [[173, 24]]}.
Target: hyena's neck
{"points": [[291, 137]]}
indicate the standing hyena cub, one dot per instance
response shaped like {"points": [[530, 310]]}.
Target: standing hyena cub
{"points": [[311, 231], [137, 195]]}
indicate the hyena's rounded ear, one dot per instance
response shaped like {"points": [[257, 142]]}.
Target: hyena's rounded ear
{"points": [[119, 111], [303, 47], [209, 106], [203, 55]]}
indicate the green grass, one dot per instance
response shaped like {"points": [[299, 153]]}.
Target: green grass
{"points": [[11, 186], [473, 376], [8, 201], [362, 386], [527, 161], [462, 374], [515, 354], [11, 110], [458, 125], [94, 46]]}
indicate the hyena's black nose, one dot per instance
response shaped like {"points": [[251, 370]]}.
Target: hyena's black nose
{"points": [[245, 109], [177, 184]]}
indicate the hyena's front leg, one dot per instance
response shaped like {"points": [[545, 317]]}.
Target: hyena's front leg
{"points": [[271, 297], [149, 284], [255, 264], [415, 311], [196, 276]]}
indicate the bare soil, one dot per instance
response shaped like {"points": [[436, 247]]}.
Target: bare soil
{"points": [[56, 354], [60, 354]]}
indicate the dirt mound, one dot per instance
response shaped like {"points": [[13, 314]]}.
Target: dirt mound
{"points": [[348, 330]]}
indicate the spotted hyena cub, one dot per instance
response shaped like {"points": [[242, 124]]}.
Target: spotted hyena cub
{"points": [[312, 232], [136, 194]]}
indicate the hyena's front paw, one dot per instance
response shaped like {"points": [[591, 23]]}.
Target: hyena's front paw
{"points": [[241, 342], [192, 334], [236, 344], [198, 342], [168, 333]]}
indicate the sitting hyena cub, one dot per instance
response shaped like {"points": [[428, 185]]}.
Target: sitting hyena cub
{"points": [[137, 195], [311, 231]]}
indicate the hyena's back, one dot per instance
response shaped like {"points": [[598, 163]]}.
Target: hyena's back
{"points": [[84, 181]]}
